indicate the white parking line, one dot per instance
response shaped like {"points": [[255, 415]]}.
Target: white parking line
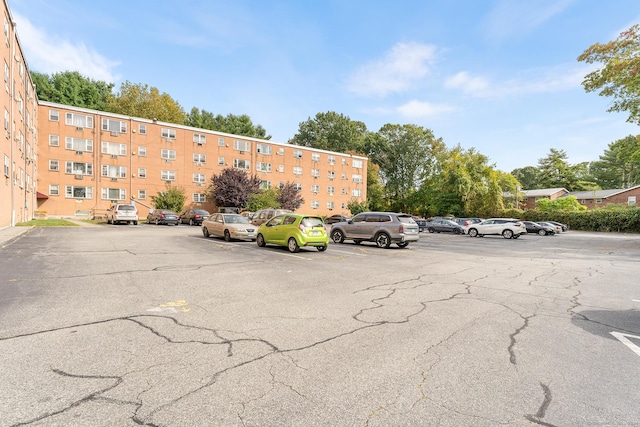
{"points": [[349, 253], [624, 340]]}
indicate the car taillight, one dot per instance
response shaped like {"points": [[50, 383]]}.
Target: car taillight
{"points": [[161, 215], [197, 216], [301, 227], [401, 230], [115, 212]]}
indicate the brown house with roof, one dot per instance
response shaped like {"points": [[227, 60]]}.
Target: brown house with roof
{"points": [[599, 198], [531, 196]]}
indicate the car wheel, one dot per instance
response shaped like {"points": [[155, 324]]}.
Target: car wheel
{"points": [[456, 231], [205, 232], [431, 230], [135, 222], [383, 240], [227, 236], [507, 234], [321, 248], [337, 236], [191, 222], [293, 245], [260, 240], [473, 232], [402, 244], [542, 232]]}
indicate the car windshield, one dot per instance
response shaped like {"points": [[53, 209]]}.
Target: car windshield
{"points": [[200, 212], [312, 222]]}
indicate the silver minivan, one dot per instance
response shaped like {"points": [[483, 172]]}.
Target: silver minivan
{"points": [[263, 215], [382, 228]]}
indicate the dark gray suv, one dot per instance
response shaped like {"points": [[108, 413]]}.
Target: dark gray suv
{"points": [[382, 228]]}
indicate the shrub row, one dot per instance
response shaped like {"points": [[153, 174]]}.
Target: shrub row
{"points": [[618, 220]]}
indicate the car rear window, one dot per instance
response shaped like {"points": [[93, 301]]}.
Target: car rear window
{"points": [[312, 221], [126, 208], [406, 219]]}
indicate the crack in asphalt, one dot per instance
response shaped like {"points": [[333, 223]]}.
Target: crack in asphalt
{"points": [[539, 415]]}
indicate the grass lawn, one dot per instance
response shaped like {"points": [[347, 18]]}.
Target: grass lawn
{"points": [[47, 223]]}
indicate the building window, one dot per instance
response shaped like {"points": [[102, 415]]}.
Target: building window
{"points": [[332, 160], [142, 194], [79, 120], [114, 171], [142, 130], [297, 186], [315, 172], [344, 176], [241, 145], [54, 140], [583, 201], [331, 174], [263, 167], [356, 178], [281, 168], [220, 142], [297, 170], [168, 133], [114, 149], [6, 165], [54, 116], [356, 192], [78, 168], [54, 165], [168, 154], [330, 205], [199, 178], [73, 192], [598, 200], [331, 190], [315, 204], [344, 191], [344, 161], [117, 126], [281, 151], [263, 149], [220, 161], [78, 144], [142, 173], [114, 194], [357, 164], [54, 190], [241, 164], [142, 151], [315, 189], [297, 154], [168, 175], [199, 138], [343, 205], [315, 157], [199, 197], [265, 185], [199, 158]]}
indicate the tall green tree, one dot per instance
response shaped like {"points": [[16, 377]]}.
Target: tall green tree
{"points": [[554, 171], [331, 131], [619, 76], [72, 88], [173, 199], [619, 165], [231, 123], [140, 100], [527, 176]]}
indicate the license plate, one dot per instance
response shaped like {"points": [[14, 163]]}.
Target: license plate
{"points": [[314, 233]]}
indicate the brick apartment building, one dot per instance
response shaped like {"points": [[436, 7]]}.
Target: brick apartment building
{"points": [[64, 161], [18, 138]]}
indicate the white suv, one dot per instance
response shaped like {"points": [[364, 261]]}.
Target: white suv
{"points": [[122, 213], [509, 228]]}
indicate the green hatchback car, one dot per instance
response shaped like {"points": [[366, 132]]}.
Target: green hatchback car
{"points": [[294, 231]]}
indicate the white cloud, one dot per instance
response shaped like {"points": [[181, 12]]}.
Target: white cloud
{"points": [[397, 71], [46, 54], [422, 109]]}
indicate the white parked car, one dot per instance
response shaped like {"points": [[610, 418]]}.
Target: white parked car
{"points": [[122, 212], [508, 228], [230, 226]]}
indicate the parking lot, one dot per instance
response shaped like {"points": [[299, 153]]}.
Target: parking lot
{"points": [[156, 325]]}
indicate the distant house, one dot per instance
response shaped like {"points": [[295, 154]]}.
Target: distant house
{"points": [[600, 198], [531, 196]]}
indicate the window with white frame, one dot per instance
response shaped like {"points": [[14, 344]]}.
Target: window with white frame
{"points": [[166, 175], [142, 130], [330, 205], [77, 192], [265, 185], [297, 170], [199, 178], [280, 151], [357, 164], [343, 191], [78, 144], [356, 178], [168, 154], [114, 194], [6, 165], [54, 115], [168, 133], [6, 119], [332, 160], [343, 205], [315, 172], [78, 168], [263, 149], [315, 157], [142, 194], [315, 204], [220, 142], [199, 158], [54, 165], [79, 120], [315, 189], [281, 168], [142, 151], [54, 140], [54, 190], [331, 190], [199, 138], [220, 161], [111, 125], [297, 186], [344, 161], [263, 167], [199, 197], [20, 177], [598, 200], [142, 173], [114, 149], [331, 174], [6, 75], [356, 192], [241, 164], [241, 145], [344, 176], [297, 154], [113, 171]]}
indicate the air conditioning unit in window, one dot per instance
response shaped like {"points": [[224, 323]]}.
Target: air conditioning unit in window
{"points": [[114, 179], [79, 176], [198, 164], [241, 152], [79, 152], [200, 144], [114, 133], [168, 139], [198, 184], [114, 156], [79, 128]]}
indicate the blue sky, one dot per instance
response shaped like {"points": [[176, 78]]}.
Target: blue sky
{"points": [[497, 75]]}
